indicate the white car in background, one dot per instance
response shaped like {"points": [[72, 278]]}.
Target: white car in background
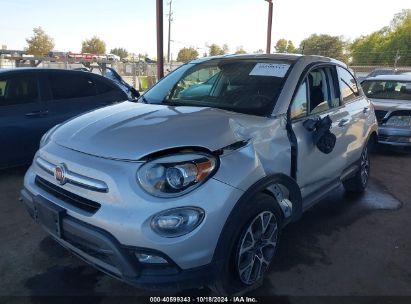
{"points": [[113, 57], [391, 97]]}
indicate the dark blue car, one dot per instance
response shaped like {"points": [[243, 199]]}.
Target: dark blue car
{"points": [[34, 100]]}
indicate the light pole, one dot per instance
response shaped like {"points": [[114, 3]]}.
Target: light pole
{"points": [[170, 14], [269, 25], [160, 48]]}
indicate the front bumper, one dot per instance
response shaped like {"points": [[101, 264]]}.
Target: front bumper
{"points": [[394, 136], [102, 250]]}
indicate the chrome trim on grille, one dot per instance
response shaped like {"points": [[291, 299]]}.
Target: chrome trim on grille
{"points": [[74, 178], [45, 165]]}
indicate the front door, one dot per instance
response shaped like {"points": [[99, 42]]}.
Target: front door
{"points": [[317, 97]]}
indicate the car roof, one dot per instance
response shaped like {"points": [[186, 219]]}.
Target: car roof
{"points": [[36, 70], [275, 56], [397, 77]]}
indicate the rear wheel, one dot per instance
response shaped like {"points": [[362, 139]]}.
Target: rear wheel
{"points": [[358, 183], [252, 247]]}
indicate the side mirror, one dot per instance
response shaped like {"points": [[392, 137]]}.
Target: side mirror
{"points": [[310, 124], [322, 136]]}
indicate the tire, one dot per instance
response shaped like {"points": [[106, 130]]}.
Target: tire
{"points": [[251, 246], [358, 183]]}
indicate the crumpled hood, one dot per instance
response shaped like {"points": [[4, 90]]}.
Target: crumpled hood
{"points": [[131, 131], [391, 105]]}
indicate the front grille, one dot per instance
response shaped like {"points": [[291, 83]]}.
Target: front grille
{"points": [[380, 114], [67, 197]]}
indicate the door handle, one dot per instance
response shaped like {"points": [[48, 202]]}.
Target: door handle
{"points": [[37, 113], [365, 110], [343, 122]]}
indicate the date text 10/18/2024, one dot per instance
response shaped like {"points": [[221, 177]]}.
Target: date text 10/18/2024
{"points": [[203, 300]]}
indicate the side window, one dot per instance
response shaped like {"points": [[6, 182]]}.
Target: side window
{"points": [[18, 90], [67, 86], [348, 85], [2, 87], [320, 93], [322, 90], [299, 106]]}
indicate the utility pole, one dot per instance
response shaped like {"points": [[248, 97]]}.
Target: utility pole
{"points": [[397, 57], [170, 18], [269, 26], [160, 47]]}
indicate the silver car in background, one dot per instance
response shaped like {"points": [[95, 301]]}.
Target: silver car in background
{"points": [[191, 187], [391, 97]]}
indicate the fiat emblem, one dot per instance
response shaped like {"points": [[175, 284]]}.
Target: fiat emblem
{"points": [[60, 174]]}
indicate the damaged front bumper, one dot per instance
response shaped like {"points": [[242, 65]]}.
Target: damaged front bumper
{"points": [[103, 251]]}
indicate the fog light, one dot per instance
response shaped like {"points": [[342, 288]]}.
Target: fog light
{"points": [[177, 222], [150, 258]]}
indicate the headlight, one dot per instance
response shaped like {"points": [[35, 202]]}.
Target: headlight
{"points": [[176, 174], [46, 137], [177, 222], [399, 121]]}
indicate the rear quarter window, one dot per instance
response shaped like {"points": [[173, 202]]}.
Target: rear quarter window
{"points": [[104, 87]]}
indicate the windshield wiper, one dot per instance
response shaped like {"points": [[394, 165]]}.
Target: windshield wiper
{"points": [[177, 103]]}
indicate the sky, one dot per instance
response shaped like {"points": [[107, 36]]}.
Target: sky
{"points": [[131, 24]]}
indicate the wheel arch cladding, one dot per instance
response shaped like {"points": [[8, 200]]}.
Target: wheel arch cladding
{"points": [[261, 186]]}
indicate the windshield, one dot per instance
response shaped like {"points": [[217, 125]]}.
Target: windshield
{"points": [[248, 86], [387, 89]]}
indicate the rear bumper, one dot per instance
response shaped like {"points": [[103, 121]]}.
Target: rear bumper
{"points": [[100, 249], [394, 136]]}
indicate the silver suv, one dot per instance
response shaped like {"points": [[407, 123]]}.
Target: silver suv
{"points": [[192, 184]]}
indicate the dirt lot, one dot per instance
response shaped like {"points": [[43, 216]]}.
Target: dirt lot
{"points": [[344, 246]]}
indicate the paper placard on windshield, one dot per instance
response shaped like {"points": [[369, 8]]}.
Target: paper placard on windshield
{"points": [[270, 69]]}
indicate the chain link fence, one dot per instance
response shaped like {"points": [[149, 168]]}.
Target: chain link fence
{"points": [[141, 75]]}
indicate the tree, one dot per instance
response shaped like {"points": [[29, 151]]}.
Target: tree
{"points": [[215, 49], [240, 50], [291, 48], [187, 54], [94, 46], [259, 51], [383, 46], [325, 45], [281, 46], [120, 52], [40, 44]]}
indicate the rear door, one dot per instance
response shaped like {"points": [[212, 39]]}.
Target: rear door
{"points": [[22, 118], [358, 107], [73, 93], [317, 97]]}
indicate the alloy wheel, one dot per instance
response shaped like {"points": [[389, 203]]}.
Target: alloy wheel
{"points": [[257, 247], [365, 166]]}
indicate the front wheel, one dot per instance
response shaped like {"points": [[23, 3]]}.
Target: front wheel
{"points": [[358, 183], [256, 248], [252, 246]]}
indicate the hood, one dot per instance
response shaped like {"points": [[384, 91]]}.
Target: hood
{"points": [[130, 131], [391, 104]]}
